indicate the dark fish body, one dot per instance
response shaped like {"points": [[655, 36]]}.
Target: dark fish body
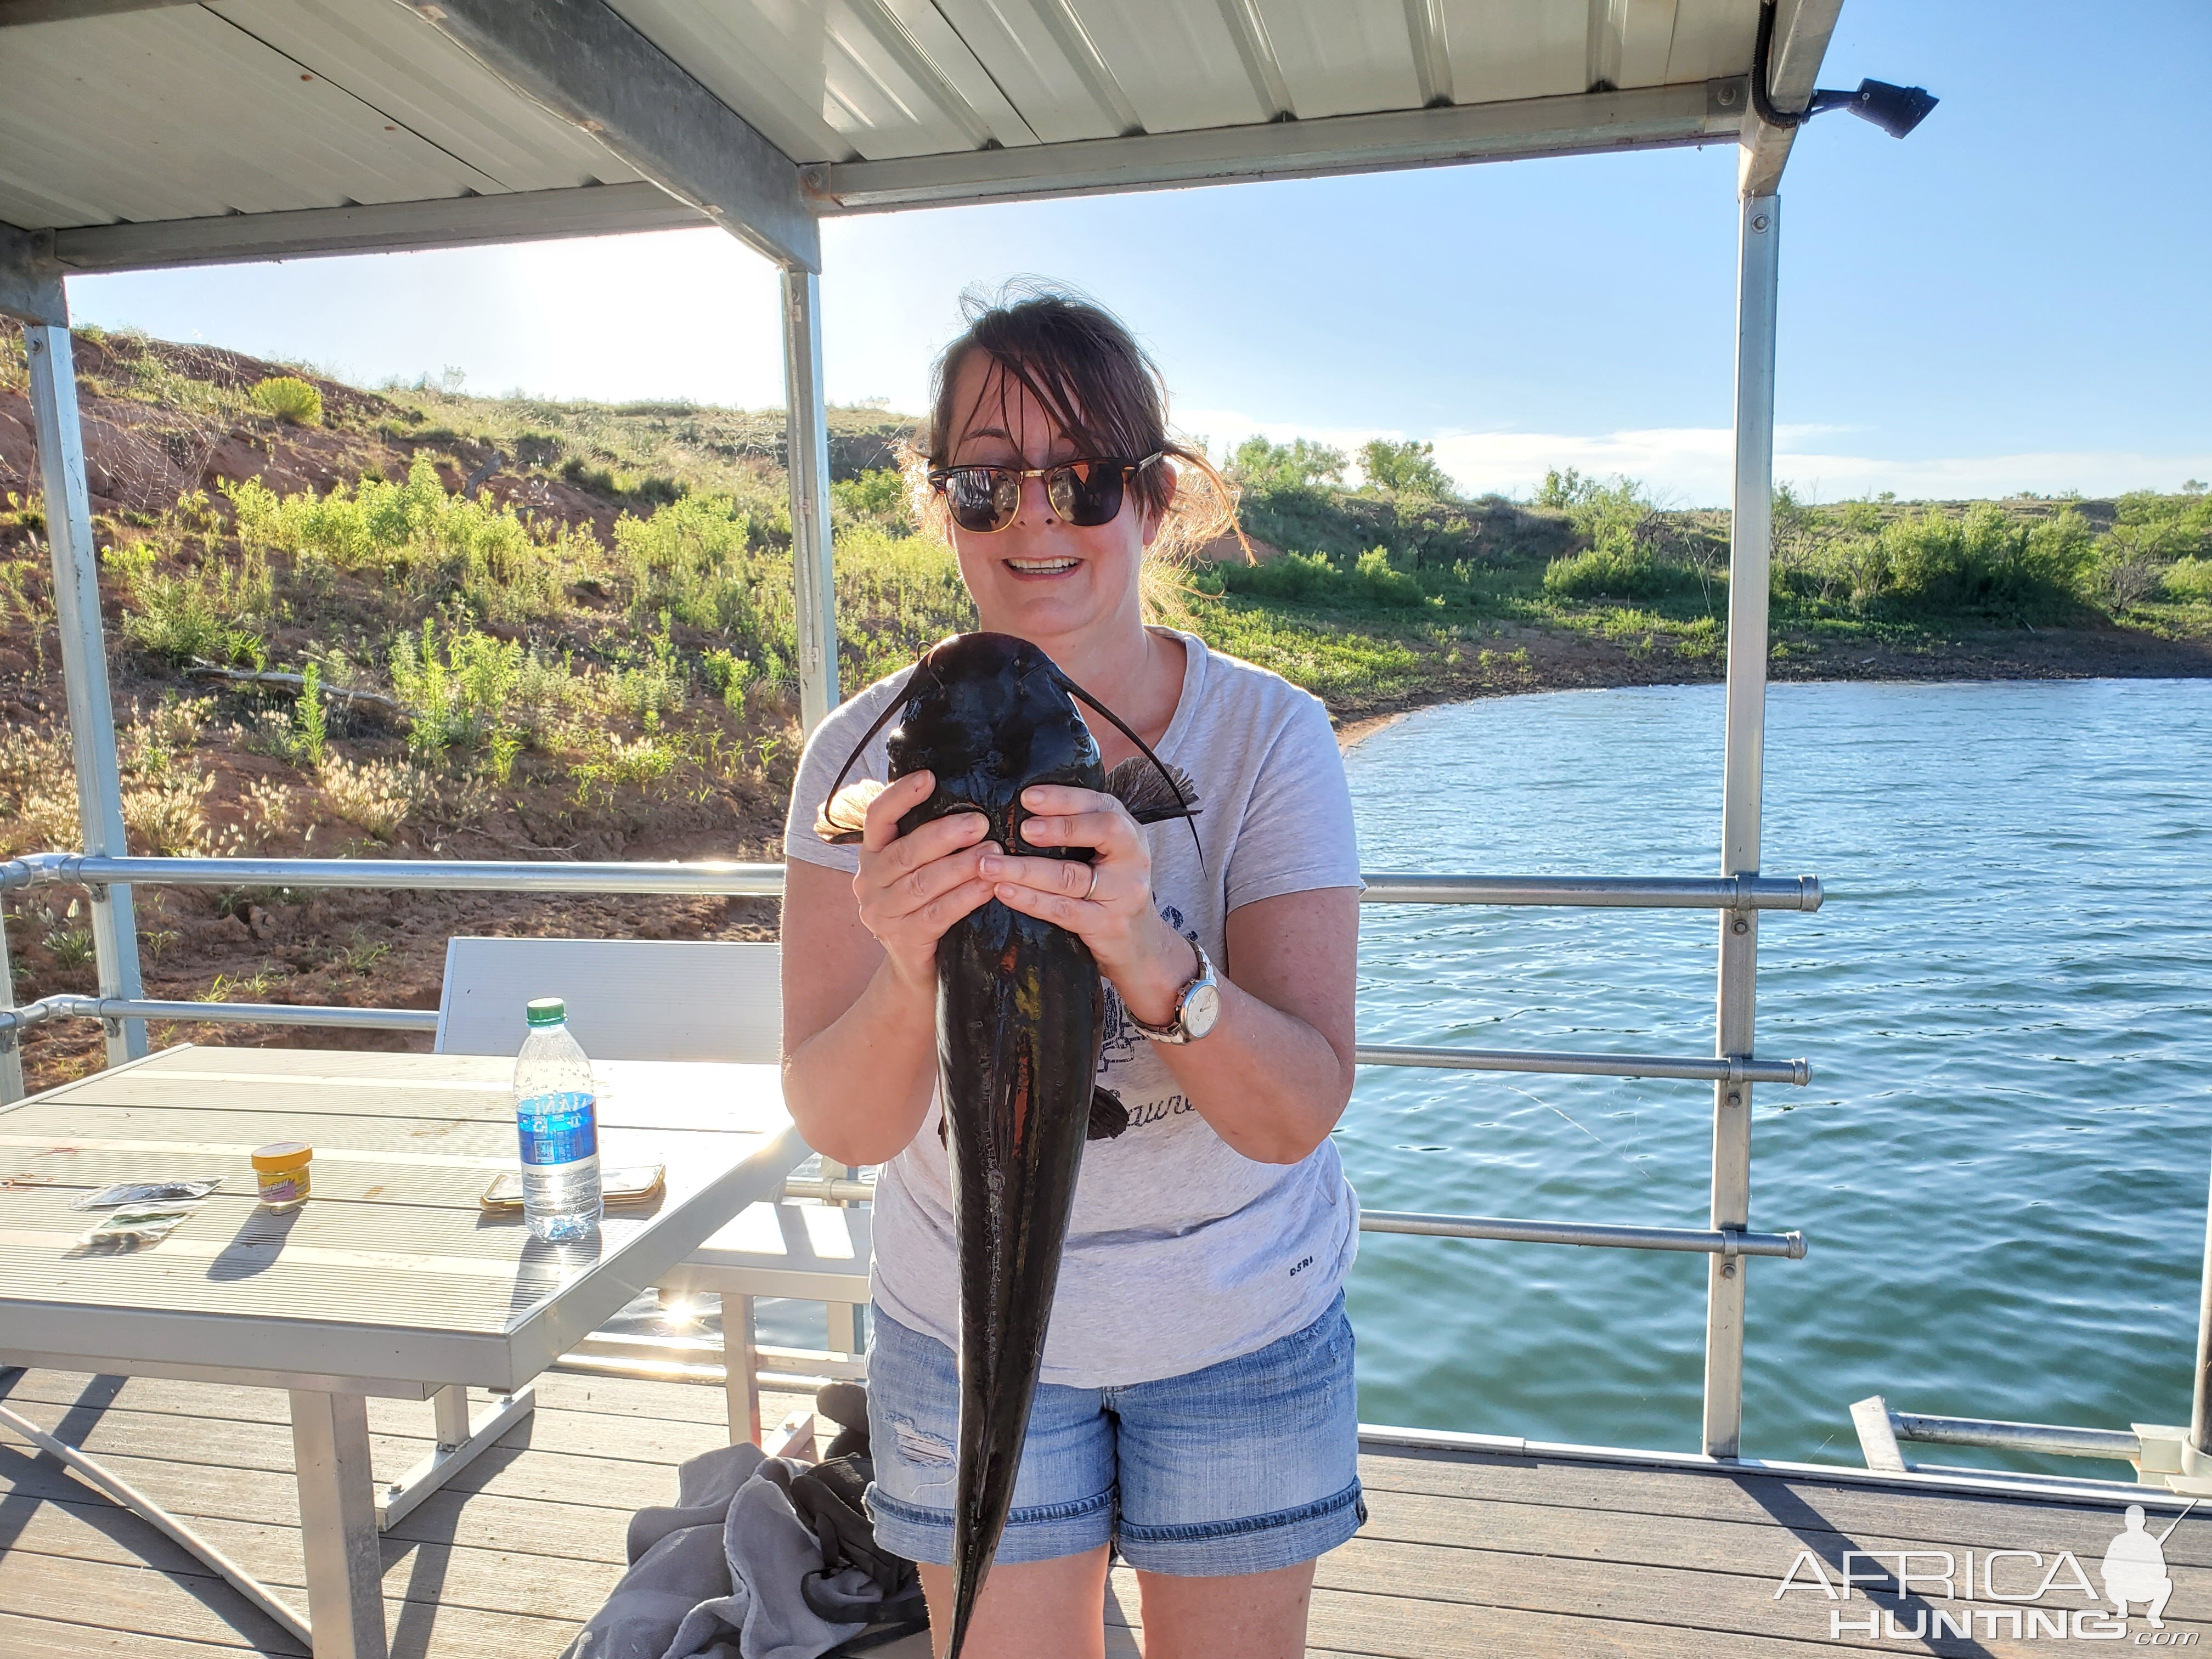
{"points": [[1020, 1007]]}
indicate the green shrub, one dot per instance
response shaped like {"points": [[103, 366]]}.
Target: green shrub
{"points": [[290, 398], [310, 720], [1372, 580], [508, 569], [1301, 578], [210, 613], [2189, 578], [1615, 567], [459, 697]]}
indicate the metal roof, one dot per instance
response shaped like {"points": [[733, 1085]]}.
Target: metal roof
{"points": [[150, 132]]}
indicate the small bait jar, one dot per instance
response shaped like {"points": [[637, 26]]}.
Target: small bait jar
{"points": [[280, 1172]]}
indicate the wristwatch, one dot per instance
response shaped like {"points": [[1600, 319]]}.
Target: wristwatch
{"points": [[1198, 1005]]}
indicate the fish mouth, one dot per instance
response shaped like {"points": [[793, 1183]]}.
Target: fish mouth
{"points": [[1041, 569]]}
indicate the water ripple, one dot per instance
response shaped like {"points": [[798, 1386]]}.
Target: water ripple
{"points": [[2001, 1163]]}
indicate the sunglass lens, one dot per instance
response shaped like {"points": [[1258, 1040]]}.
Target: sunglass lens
{"points": [[982, 497], [1085, 493]]}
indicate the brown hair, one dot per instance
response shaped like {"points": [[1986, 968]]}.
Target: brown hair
{"points": [[1097, 386]]}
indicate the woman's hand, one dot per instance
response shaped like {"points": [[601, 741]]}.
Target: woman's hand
{"points": [[1107, 902], [911, 888]]}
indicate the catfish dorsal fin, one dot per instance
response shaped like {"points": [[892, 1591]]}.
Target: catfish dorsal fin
{"points": [[830, 818], [1186, 803]]}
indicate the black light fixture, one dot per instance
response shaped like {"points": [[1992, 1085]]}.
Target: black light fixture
{"points": [[1895, 110]]}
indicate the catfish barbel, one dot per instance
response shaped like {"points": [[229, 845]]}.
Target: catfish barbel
{"points": [[1019, 1010]]}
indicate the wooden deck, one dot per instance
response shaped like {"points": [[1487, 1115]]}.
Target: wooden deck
{"points": [[1464, 1553]]}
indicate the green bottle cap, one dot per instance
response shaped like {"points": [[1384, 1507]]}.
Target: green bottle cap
{"points": [[546, 1011]]}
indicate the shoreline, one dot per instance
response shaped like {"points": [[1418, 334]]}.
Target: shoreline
{"points": [[1580, 663]]}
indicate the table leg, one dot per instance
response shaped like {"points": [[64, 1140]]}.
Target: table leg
{"points": [[741, 1369], [337, 1525]]}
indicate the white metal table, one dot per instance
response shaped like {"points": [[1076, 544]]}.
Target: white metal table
{"points": [[390, 1281]]}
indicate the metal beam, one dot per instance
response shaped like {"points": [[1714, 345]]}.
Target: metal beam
{"points": [[1425, 30], [62, 11], [378, 227], [30, 280], [806, 455], [1646, 117], [1802, 30], [1749, 539], [583, 63], [1249, 29], [60, 439]]}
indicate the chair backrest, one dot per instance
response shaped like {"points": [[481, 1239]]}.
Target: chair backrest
{"points": [[629, 999]]}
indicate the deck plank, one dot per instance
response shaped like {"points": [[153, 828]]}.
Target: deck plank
{"points": [[1464, 1553]]}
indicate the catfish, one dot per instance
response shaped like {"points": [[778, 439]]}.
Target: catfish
{"points": [[1020, 1011]]}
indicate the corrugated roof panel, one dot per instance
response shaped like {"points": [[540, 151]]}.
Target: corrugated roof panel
{"points": [[884, 94], [1647, 40], [1016, 43], [175, 113], [1502, 49], [1180, 65], [1343, 57], [389, 57], [950, 56], [1712, 38], [764, 58]]}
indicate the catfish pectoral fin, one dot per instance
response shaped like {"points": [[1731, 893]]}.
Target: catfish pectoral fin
{"points": [[1108, 1116], [942, 1133], [1152, 794]]}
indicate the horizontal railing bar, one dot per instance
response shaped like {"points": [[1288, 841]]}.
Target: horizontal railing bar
{"points": [[1749, 892], [13, 1020], [765, 881], [1725, 1068], [2050, 1437], [1720, 1241], [443, 875]]}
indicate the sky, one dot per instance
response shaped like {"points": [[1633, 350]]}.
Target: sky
{"points": [[2013, 298]]}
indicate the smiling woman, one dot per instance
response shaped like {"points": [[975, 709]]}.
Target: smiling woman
{"points": [[1196, 1402]]}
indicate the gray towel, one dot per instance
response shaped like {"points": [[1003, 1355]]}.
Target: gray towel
{"points": [[717, 1575]]}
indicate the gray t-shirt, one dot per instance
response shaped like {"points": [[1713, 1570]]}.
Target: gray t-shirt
{"points": [[1181, 1252]]}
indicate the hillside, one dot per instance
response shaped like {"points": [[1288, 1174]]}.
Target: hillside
{"points": [[565, 631]]}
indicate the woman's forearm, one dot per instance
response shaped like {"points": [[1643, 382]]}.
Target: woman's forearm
{"points": [[859, 1088], [1268, 1084]]}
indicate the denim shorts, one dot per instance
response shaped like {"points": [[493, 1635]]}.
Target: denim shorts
{"points": [[1243, 1466]]}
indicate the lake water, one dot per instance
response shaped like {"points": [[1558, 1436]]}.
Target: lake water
{"points": [[2001, 1164]]}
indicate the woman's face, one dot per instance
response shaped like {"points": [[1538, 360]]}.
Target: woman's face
{"points": [[1041, 578]]}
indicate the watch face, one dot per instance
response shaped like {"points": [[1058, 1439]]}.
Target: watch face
{"points": [[1200, 1010]]}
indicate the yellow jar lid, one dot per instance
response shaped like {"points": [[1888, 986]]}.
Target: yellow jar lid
{"points": [[282, 1155]]}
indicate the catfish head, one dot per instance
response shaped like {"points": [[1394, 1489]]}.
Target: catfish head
{"points": [[990, 715]]}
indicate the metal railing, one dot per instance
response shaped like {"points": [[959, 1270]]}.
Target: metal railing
{"points": [[1731, 1073]]}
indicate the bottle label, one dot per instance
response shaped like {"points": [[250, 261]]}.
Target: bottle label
{"points": [[558, 1128]]}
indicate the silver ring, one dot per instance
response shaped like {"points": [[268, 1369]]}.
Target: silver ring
{"points": [[1093, 888]]}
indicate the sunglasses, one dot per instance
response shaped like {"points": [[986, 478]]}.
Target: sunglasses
{"points": [[1085, 493]]}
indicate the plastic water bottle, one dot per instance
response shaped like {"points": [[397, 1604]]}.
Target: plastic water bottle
{"points": [[555, 1110]]}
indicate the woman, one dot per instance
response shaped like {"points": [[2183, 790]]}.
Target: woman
{"points": [[1196, 1404]]}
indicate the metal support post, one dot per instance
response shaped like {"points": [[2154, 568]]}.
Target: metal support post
{"points": [[1750, 535], [2200, 1414], [337, 1525], [11, 1047], [843, 1321], [807, 448], [84, 664]]}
